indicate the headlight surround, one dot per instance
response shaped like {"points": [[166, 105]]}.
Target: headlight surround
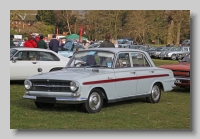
{"points": [[74, 86], [28, 84]]}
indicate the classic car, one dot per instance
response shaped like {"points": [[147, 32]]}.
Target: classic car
{"points": [[24, 62], [174, 53], [181, 71], [96, 76], [155, 53], [184, 51]]}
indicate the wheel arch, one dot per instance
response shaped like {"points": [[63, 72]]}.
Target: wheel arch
{"points": [[103, 93], [55, 68]]}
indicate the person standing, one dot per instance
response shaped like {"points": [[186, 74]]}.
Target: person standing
{"points": [[107, 43], [41, 43], [11, 40], [30, 42], [54, 44], [114, 41], [85, 44]]}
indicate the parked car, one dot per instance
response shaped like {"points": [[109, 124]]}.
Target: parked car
{"points": [[98, 75], [181, 71], [155, 53], [186, 42], [184, 51], [69, 48], [24, 62], [174, 53]]}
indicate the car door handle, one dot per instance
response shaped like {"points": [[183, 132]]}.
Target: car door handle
{"points": [[34, 62], [151, 71], [133, 72]]}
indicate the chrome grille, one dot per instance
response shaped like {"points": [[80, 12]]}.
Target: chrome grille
{"points": [[51, 85]]}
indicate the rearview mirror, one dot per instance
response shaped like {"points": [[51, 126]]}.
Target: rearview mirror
{"points": [[14, 59]]}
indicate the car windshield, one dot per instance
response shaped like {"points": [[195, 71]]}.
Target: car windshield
{"points": [[186, 58], [91, 58], [12, 52]]}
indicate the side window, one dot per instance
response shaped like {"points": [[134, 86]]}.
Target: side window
{"points": [[123, 60], [46, 56], [139, 60], [26, 55]]}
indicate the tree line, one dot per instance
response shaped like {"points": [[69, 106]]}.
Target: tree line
{"points": [[143, 26]]}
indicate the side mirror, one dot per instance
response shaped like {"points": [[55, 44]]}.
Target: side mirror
{"points": [[14, 59]]}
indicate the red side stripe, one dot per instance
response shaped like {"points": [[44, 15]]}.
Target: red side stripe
{"points": [[124, 79]]}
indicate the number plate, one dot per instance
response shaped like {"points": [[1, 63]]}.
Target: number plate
{"points": [[178, 81], [46, 99]]}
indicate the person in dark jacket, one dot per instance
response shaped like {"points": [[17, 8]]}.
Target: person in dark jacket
{"points": [[11, 40], [107, 43], [54, 44], [41, 43]]}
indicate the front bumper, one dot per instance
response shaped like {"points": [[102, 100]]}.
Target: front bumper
{"points": [[182, 81], [66, 100]]}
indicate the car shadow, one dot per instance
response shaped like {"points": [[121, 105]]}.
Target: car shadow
{"points": [[21, 82]]}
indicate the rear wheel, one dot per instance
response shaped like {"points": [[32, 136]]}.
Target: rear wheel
{"points": [[44, 105], [155, 94], [94, 102]]}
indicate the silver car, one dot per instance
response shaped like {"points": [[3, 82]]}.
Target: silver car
{"points": [[96, 76]]}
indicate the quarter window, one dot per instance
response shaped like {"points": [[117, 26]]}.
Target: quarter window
{"points": [[139, 60], [123, 61]]}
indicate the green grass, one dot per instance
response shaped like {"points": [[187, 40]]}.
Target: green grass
{"points": [[172, 112]]}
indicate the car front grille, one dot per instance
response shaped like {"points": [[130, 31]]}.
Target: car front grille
{"points": [[51, 85]]}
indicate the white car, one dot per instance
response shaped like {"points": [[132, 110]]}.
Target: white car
{"points": [[24, 62], [98, 75]]}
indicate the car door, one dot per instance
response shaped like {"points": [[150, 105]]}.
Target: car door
{"points": [[144, 71], [24, 66], [49, 61], [125, 76]]}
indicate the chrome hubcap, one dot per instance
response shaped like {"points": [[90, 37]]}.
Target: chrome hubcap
{"points": [[155, 92], [94, 101]]}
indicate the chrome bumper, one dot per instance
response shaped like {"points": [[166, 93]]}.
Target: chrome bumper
{"points": [[66, 100]]}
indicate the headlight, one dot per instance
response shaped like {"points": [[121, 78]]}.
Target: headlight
{"points": [[27, 84], [74, 86]]}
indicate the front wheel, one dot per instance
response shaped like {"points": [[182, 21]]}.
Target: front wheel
{"points": [[94, 102], [173, 57], [155, 94]]}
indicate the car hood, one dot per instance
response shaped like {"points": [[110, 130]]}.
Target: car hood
{"points": [[65, 74], [184, 66]]}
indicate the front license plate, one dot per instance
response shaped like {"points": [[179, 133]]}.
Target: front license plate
{"points": [[46, 99], [178, 81]]}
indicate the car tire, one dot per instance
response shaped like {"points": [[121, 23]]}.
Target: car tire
{"points": [[173, 57], [155, 94], [44, 105], [94, 102]]}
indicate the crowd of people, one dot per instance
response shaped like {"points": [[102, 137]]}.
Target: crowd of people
{"points": [[38, 42]]}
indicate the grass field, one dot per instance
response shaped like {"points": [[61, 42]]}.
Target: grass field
{"points": [[172, 112]]}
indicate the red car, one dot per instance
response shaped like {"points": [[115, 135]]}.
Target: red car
{"points": [[181, 71]]}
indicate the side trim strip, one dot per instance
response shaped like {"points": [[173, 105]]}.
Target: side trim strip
{"points": [[124, 79]]}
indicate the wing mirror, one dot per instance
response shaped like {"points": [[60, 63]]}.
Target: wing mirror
{"points": [[14, 59]]}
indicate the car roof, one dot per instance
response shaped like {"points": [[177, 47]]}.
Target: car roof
{"points": [[34, 49], [115, 50]]}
